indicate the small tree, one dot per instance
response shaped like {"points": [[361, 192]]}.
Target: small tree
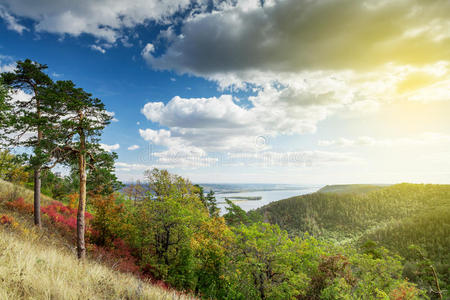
{"points": [[235, 215], [267, 262], [165, 224], [211, 203], [79, 132], [13, 167], [32, 118]]}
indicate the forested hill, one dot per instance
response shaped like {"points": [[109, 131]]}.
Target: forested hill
{"points": [[395, 217], [350, 188], [345, 214]]}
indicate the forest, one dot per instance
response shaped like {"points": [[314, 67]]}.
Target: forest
{"points": [[411, 220], [383, 243]]}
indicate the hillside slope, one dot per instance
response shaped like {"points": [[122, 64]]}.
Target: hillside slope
{"points": [[350, 188], [395, 217], [41, 264], [346, 214]]}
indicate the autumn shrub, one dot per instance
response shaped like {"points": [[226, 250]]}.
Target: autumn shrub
{"points": [[20, 205], [111, 220], [6, 220], [64, 217], [405, 291], [118, 255]]}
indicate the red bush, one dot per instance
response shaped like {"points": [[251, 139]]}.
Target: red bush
{"points": [[118, 255], [6, 220], [20, 205], [63, 216]]}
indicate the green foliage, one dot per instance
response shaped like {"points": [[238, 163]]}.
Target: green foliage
{"points": [[27, 123], [165, 223], [4, 109], [235, 215], [350, 188], [268, 263], [101, 178], [112, 219], [394, 217], [12, 167]]}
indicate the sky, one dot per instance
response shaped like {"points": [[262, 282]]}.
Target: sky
{"points": [[254, 91]]}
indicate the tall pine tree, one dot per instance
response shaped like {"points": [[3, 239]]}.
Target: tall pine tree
{"points": [[29, 120], [84, 119]]}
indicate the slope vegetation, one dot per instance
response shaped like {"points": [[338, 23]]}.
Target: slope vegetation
{"points": [[41, 264], [395, 217], [350, 188]]}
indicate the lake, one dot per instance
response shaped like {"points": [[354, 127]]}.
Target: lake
{"points": [[267, 196]]}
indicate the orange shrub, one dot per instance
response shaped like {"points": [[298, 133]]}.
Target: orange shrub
{"points": [[20, 205], [6, 220]]}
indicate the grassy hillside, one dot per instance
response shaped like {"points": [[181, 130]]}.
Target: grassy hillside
{"points": [[350, 188], [41, 264], [395, 217]]}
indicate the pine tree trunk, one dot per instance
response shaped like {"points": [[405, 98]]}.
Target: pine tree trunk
{"points": [[81, 226], [37, 197], [37, 174]]}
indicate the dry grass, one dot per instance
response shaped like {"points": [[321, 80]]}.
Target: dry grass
{"points": [[9, 191], [39, 264]]}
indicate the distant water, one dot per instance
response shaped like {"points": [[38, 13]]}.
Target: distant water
{"points": [[268, 194]]}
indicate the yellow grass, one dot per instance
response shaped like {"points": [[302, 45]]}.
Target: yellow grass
{"points": [[11, 191], [40, 264]]}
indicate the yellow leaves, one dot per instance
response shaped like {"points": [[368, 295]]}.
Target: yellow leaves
{"points": [[73, 200]]}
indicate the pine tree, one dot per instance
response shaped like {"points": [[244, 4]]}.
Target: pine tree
{"points": [[78, 135], [28, 121], [211, 202]]}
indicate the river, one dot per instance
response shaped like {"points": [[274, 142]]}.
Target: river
{"points": [[267, 196]]}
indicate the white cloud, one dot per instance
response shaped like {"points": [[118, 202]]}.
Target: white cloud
{"points": [[110, 148], [286, 43], [7, 64], [425, 139], [98, 48], [112, 115], [306, 158], [104, 19], [11, 21], [220, 124], [133, 147]]}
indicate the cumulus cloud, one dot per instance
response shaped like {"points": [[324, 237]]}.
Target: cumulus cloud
{"points": [[221, 124], [110, 148], [104, 19], [374, 49], [133, 147], [291, 35]]}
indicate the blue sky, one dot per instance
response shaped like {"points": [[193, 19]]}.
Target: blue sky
{"points": [[247, 91]]}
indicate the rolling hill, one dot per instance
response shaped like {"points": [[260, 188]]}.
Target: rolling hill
{"points": [[395, 217]]}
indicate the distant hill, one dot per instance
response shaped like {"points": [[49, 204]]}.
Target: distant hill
{"points": [[394, 216], [350, 188]]}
